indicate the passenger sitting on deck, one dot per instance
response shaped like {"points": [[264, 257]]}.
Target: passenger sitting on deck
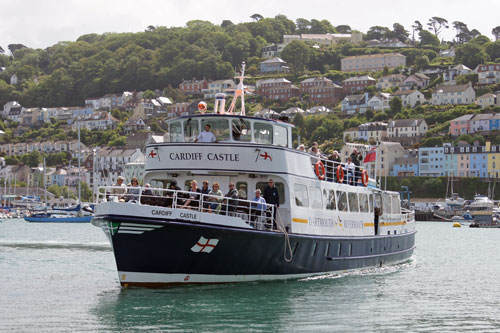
{"points": [[193, 200], [301, 148], [206, 135], [118, 189], [215, 198], [133, 190], [315, 153], [170, 193], [147, 190]]}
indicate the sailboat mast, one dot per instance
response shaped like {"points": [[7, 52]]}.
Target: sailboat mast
{"points": [[79, 166], [45, 182]]}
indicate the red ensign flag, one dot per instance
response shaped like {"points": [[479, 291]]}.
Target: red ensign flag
{"points": [[371, 156]]}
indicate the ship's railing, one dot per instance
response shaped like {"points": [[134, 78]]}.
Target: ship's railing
{"points": [[258, 215], [337, 172], [409, 215]]}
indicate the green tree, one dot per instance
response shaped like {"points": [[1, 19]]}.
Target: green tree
{"points": [[421, 62], [470, 54], [426, 38], [343, 29], [376, 32], [396, 106], [149, 94], [256, 17], [436, 24], [297, 55]]}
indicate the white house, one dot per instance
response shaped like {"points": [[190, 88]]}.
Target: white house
{"points": [[458, 94], [219, 86], [390, 81], [410, 97], [449, 76], [135, 168], [487, 100], [380, 102], [401, 128], [110, 163]]}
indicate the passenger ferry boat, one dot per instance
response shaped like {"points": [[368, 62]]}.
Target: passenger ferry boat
{"points": [[322, 225]]}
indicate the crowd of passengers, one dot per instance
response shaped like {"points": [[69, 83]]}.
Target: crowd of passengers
{"points": [[352, 165], [215, 200]]}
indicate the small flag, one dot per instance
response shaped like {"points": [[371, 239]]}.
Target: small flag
{"points": [[371, 156], [205, 245]]}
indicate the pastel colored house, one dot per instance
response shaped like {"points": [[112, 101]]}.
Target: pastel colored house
{"points": [[431, 161], [406, 166], [460, 125], [410, 97], [376, 131], [450, 160], [478, 162], [455, 95], [480, 123], [463, 153], [495, 122], [493, 159]]}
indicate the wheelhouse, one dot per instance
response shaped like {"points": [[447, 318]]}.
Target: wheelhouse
{"points": [[231, 128]]}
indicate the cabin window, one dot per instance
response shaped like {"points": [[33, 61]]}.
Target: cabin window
{"points": [[280, 136], [364, 206], [241, 130], [242, 188], [342, 201], [301, 198], [279, 186], [263, 133], [370, 202], [378, 202], [191, 130], [218, 126], [396, 204], [386, 202], [175, 131], [160, 183], [330, 203], [353, 202], [316, 201]]}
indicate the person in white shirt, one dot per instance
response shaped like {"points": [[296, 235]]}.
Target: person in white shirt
{"points": [[350, 168], [206, 135]]}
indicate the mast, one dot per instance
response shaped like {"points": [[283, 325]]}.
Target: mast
{"points": [[240, 92], [79, 165], [45, 182]]}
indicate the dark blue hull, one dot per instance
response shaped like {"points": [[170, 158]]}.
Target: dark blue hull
{"points": [[178, 248], [69, 219]]}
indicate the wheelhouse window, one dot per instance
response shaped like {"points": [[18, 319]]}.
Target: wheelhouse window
{"points": [[263, 132], [280, 136], [191, 129], [396, 209], [386, 202], [342, 201], [301, 197], [330, 202], [353, 202], [218, 126], [175, 130], [241, 130], [316, 201]]}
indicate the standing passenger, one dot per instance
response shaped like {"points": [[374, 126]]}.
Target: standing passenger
{"points": [[272, 196], [206, 136]]}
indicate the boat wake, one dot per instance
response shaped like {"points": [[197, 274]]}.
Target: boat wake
{"points": [[384, 270], [56, 245]]}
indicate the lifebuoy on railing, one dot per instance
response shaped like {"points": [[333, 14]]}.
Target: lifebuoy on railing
{"points": [[320, 170], [364, 178], [340, 174]]}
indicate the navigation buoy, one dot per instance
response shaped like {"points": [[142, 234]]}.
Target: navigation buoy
{"points": [[456, 225]]}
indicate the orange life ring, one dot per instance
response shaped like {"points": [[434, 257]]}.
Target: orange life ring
{"points": [[320, 170], [364, 178], [340, 174]]}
